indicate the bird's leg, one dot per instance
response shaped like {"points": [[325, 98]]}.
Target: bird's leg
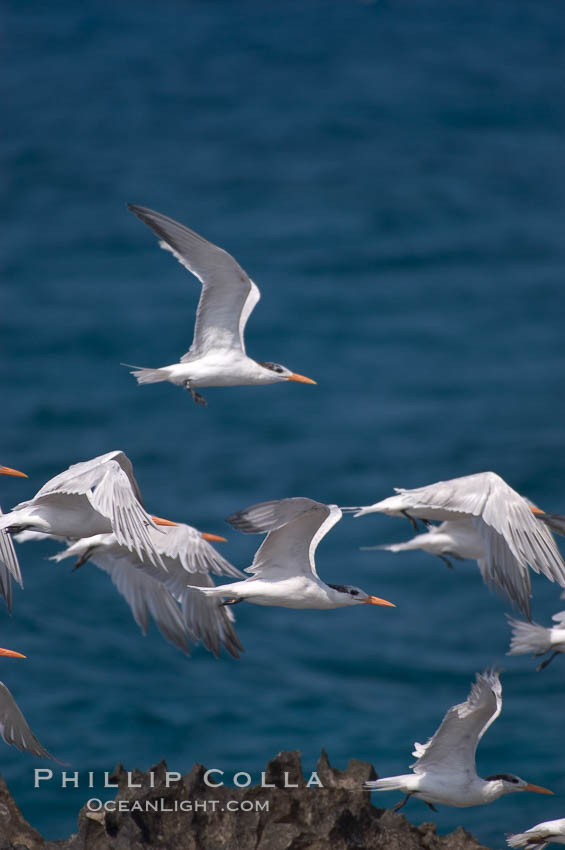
{"points": [[431, 806], [82, 560], [199, 399], [547, 661], [231, 602], [413, 522], [446, 560], [402, 803]]}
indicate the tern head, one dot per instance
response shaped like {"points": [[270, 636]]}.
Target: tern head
{"points": [[350, 595], [507, 783], [281, 373]]}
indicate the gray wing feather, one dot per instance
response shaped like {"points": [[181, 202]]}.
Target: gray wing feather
{"points": [[206, 620], [9, 567], [556, 522], [144, 595], [14, 728]]}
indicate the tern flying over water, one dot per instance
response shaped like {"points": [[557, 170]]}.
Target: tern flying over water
{"points": [[445, 770], [187, 559], [530, 637], [217, 355], [9, 566], [539, 836], [484, 519], [13, 726], [284, 570], [96, 496]]}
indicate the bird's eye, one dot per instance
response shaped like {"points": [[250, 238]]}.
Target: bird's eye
{"points": [[354, 592]]}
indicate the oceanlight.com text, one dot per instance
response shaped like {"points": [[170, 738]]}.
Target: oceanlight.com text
{"points": [[161, 805]]}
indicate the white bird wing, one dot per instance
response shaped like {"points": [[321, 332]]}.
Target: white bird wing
{"points": [[295, 528], [144, 594], [109, 485], [189, 559], [207, 620], [9, 567], [202, 618], [514, 538], [228, 294], [14, 728], [464, 496], [453, 747], [184, 544]]}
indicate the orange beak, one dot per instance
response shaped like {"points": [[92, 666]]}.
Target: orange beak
{"points": [[11, 654], [213, 537], [537, 511], [5, 470], [158, 521], [300, 379], [375, 600], [538, 789]]}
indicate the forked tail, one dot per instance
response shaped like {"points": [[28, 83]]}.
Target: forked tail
{"points": [[147, 376], [388, 783], [528, 842], [528, 637]]}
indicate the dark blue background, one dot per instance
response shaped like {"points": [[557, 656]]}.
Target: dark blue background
{"points": [[391, 175]]}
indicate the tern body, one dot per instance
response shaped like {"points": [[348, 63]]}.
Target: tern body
{"points": [[483, 518], [217, 356], [215, 370], [445, 770], [284, 570], [539, 836], [457, 538]]}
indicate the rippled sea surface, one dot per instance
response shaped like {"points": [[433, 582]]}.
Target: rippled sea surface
{"points": [[391, 174]]}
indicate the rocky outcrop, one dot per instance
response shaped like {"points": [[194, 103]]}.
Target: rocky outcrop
{"points": [[190, 815]]}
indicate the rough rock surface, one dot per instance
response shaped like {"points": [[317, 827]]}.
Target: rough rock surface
{"points": [[337, 816]]}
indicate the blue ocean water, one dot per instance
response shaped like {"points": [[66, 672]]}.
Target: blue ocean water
{"points": [[391, 174]]}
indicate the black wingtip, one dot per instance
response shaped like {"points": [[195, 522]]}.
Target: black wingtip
{"points": [[240, 521]]}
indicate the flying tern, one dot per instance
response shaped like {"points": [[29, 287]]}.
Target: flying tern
{"points": [[9, 566], [96, 496], [530, 637], [485, 519], [188, 558], [13, 726], [539, 836], [217, 355], [444, 771], [284, 570]]}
